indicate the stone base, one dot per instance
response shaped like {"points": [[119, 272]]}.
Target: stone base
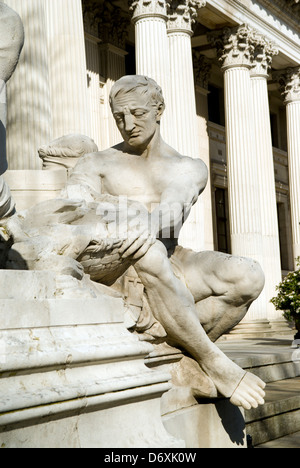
{"points": [[71, 374], [191, 410], [30, 187], [208, 424]]}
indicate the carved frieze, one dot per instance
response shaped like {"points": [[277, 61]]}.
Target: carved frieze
{"points": [[182, 14], [289, 83]]}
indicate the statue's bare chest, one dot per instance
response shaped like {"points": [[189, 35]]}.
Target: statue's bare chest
{"points": [[137, 181]]}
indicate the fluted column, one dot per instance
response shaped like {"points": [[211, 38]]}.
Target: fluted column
{"points": [[29, 114], [263, 53], [67, 67], [243, 163], [152, 54], [202, 71], [106, 28], [290, 88], [186, 137]]}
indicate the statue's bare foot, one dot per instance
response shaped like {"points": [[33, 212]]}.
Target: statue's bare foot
{"points": [[249, 393]]}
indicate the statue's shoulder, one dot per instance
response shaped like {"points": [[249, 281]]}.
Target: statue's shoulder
{"points": [[100, 157], [187, 162]]}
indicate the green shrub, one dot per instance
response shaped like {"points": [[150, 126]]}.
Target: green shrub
{"points": [[288, 297]]}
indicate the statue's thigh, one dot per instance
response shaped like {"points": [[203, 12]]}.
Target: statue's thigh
{"points": [[209, 273]]}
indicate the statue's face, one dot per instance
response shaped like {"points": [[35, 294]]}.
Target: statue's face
{"points": [[136, 117]]}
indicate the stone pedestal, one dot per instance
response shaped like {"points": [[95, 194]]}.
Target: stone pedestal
{"points": [[72, 376], [208, 424], [31, 187]]}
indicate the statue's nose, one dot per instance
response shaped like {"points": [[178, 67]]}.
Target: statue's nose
{"points": [[129, 122]]}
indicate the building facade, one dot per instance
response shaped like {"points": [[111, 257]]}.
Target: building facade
{"points": [[230, 73]]}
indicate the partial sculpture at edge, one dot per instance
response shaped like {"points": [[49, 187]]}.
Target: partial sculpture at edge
{"points": [[11, 44], [195, 297]]}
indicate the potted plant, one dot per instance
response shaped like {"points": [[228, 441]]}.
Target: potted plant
{"points": [[288, 297]]}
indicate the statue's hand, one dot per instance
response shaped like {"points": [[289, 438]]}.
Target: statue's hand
{"points": [[139, 238]]}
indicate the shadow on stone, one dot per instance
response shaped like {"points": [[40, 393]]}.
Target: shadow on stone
{"points": [[232, 420]]}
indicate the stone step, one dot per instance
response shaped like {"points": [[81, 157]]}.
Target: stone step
{"points": [[289, 441], [279, 417], [270, 359]]}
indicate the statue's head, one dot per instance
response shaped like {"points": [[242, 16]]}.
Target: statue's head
{"points": [[137, 105]]}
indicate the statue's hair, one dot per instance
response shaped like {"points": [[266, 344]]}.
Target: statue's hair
{"points": [[130, 83]]}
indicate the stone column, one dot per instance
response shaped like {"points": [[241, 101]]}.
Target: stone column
{"points": [[202, 70], [185, 138], [67, 67], [289, 81], [235, 49], [29, 110], [263, 53], [152, 54]]}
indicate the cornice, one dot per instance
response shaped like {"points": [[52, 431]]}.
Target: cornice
{"points": [[281, 28]]}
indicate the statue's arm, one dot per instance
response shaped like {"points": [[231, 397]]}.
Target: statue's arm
{"points": [[181, 194]]}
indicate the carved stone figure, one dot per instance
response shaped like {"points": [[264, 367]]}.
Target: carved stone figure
{"points": [[11, 43], [65, 151], [132, 200]]}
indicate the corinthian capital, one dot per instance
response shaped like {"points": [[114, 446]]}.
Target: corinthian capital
{"points": [[144, 8], [234, 46], [183, 13], [289, 82], [262, 56]]}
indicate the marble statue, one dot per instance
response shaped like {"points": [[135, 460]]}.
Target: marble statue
{"points": [[11, 44], [65, 151], [122, 210]]}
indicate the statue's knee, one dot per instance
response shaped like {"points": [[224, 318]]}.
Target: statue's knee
{"points": [[251, 279], [154, 263]]}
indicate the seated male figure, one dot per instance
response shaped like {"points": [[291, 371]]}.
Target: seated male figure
{"points": [[197, 297]]}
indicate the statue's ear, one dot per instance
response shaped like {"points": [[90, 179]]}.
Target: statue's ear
{"points": [[160, 111]]}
